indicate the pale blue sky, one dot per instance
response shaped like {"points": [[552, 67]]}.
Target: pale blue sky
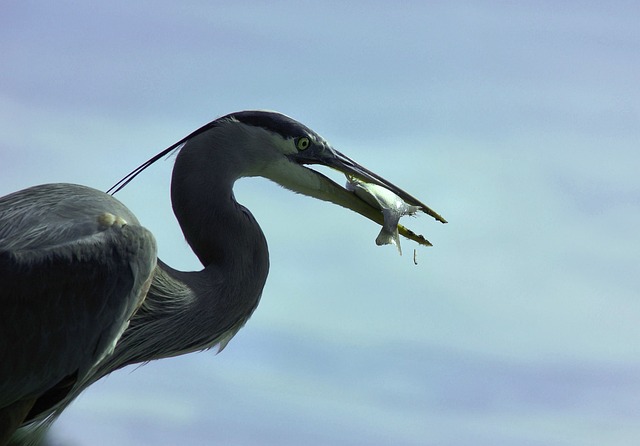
{"points": [[518, 122]]}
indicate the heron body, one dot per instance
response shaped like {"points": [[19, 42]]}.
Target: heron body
{"points": [[83, 293]]}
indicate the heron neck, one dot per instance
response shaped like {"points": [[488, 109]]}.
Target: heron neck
{"points": [[223, 234]]}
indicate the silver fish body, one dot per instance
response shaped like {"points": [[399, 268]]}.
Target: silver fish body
{"points": [[392, 206]]}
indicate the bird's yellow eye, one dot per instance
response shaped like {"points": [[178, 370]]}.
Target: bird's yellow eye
{"points": [[303, 143]]}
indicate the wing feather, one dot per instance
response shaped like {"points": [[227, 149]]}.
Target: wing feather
{"points": [[70, 280]]}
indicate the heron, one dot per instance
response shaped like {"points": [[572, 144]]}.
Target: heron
{"points": [[83, 293]]}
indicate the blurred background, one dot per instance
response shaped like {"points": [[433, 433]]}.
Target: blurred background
{"points": [[519, 122]]}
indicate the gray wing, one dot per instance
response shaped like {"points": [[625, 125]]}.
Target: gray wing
{"points": [[72, 273]]}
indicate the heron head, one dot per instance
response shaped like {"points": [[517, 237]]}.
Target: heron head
{"points": [[288, 149]]}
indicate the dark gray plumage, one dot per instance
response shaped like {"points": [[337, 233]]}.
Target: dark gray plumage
{"points": [[83, 294]]}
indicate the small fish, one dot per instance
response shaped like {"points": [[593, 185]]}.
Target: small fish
{"points": [[391, 205]]}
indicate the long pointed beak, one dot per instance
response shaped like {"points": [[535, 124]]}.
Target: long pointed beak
{"points": [[330, 191]]}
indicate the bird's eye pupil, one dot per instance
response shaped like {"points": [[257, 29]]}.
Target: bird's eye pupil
{"points": [[302, 143]]}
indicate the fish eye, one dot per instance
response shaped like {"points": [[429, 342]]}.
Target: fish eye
{"points": [[303, 143]]}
